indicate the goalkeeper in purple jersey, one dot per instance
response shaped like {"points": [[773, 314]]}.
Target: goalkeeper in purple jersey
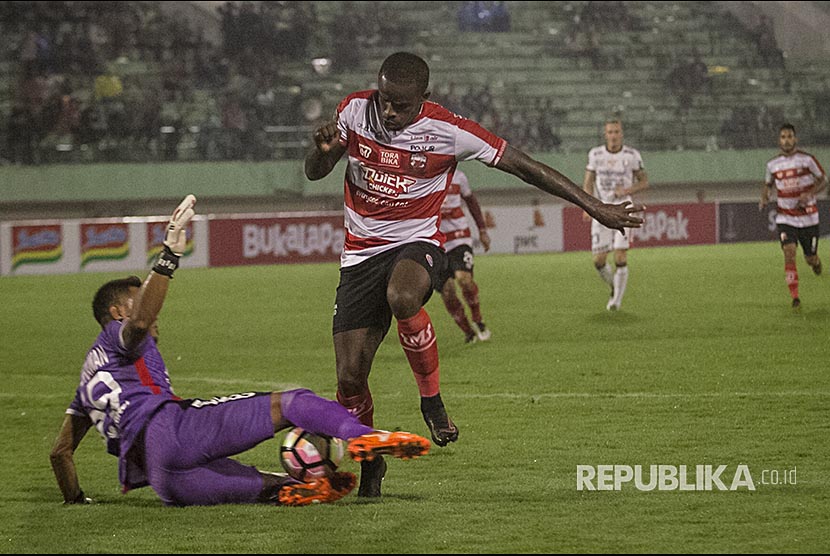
{"points": [[180, 447]]}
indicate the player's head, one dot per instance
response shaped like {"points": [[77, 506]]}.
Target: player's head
{"points": [[402, 89], [613, 134], [787, 139], [114, 300]]}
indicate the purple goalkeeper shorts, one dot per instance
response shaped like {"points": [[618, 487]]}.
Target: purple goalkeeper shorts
{"points": [[187, 444]]}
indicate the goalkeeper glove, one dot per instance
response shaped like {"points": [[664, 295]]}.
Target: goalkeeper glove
{"points": [[175, 240]]}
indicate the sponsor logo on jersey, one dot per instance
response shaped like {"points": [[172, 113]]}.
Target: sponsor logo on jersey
{"points": [[418, 161], [365, 150], [390, 158], [221, 399], [390, 185], [425, 138], [422, 148]]}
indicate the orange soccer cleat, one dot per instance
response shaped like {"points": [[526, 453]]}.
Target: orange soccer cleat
{"points": [[320, 491], [403, 445]]}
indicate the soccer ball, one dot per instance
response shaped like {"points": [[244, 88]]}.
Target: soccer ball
{"points": [[307, 456]]}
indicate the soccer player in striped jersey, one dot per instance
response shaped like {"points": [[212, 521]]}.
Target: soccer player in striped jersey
{"points": [[459, 247], [402, 151], [797, 178], [614, 173]]}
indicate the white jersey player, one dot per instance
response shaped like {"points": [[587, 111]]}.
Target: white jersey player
{"points": [[614, 173]]}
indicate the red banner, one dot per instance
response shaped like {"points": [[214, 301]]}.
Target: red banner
{"points": [[665, 225], [278, 240]]}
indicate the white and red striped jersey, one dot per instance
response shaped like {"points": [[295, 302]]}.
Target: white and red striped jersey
{"points": [[793, 175], [613, 170], [454, 223], [396, 181]]}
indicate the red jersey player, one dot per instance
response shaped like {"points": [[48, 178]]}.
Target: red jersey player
{"points": [[402, 152], [459, 248], [798, 178]]}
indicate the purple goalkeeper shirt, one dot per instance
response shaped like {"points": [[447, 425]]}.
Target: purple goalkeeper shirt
{"points": [[120, 391]]}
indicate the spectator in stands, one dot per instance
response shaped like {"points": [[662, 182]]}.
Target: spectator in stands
{"points": [[500, 17], [468, 16], [21, 138], [771, 55], [688, 79]]}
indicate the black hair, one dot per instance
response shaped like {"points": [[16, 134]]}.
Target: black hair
{"points": [[111, 294], [791, 127], [403, 67]]}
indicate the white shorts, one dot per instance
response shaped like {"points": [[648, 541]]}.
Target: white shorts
{"points": [[605, 240]]}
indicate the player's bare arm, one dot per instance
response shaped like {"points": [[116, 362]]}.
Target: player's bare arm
{"points": [[72, 431], [327, 151], [764, 196], [588, 183], [475, 212], [817, 187], [145, 310], [640, 183], [150, 298], [550, 181]]}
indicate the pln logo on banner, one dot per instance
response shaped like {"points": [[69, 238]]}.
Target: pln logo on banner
{"points": [[155, 239], [36, 244], [104, 242]]}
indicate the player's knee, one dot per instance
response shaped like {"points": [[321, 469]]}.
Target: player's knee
{"points": [[165, 486], [351, 386], [404, 302], [465, 280], [350, 382]]}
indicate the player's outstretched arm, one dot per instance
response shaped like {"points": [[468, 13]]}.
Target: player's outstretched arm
{"points": [[588, 184], [62, 456], [550, 181], [762, 204], [478, 217], [151, 296], [640, 184], [325, 154]]}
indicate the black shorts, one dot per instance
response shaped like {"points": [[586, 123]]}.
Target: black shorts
{"points": [[807, 237], [459, 258], [361, 300]]}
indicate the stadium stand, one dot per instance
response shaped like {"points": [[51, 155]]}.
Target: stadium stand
{"points": [[126, 81]]}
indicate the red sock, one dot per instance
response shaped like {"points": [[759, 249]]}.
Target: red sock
{"points": [[792, 279], [417, 338], [361, 406], [456, 309], [471, 296]]}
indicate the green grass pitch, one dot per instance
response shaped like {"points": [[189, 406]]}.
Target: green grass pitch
{"points": [[706, 364]]}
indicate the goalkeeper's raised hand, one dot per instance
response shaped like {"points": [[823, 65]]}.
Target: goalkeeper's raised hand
{"points": [[175, 238]]}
